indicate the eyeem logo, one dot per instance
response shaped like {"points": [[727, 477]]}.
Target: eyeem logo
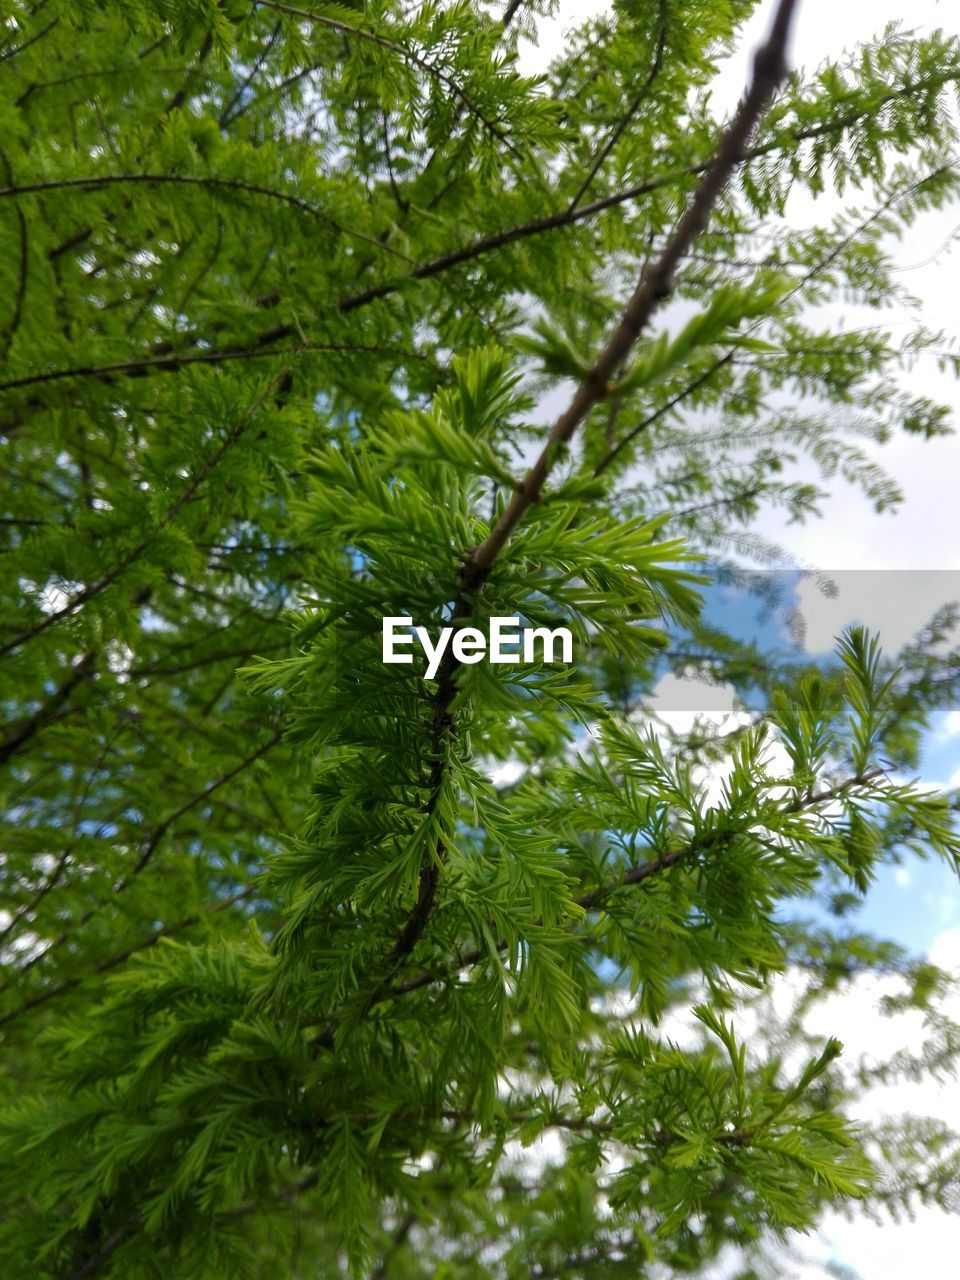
{"points": [[470, 645]]}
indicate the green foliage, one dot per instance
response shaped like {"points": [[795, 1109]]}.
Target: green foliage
{"points": [[312, 965]]}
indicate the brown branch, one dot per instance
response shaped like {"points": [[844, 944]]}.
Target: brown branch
{"points": [[539, 226], [83, 1269], [730, 499], [271, 91], [56, 872], [12, 53], [38, 86], [646, 870], [171, 363], [223, 120], [572, 1124], [566, 217], [443, 726], [22, 267], [157, 670], [653, 288], [690, 389], [730, 355], [179, 98], [50, 710], [167, 823], [510, 12]]}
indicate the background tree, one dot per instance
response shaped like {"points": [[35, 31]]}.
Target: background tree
{"points": [[288, 982]]}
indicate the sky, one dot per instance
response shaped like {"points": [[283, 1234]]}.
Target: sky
{"points": [[892, 571]]}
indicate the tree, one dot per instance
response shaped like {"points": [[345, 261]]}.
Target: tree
{"points": [[288, 980]]}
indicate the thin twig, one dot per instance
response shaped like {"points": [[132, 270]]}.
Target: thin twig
{"points": [[408, 55], [12, 53], [171, 363], [628, 115], [23, 265], [136, 551], [95, 182]]}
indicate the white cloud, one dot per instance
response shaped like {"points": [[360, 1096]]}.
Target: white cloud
{"points": [[506, 773], [888, 1249], [945, 950]]}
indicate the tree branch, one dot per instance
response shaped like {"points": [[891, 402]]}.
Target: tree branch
{"points": [[592, 898], [171, 363], [520, 231], [631, 111], [653, 288], [22, 269], [223, 120], [408, 55], [151, 847], [95, 182], [28, 727], [684, 393], [160, 831], [9, 54], [104, 966], [510, 12], [110, 577], [730, 354]]}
